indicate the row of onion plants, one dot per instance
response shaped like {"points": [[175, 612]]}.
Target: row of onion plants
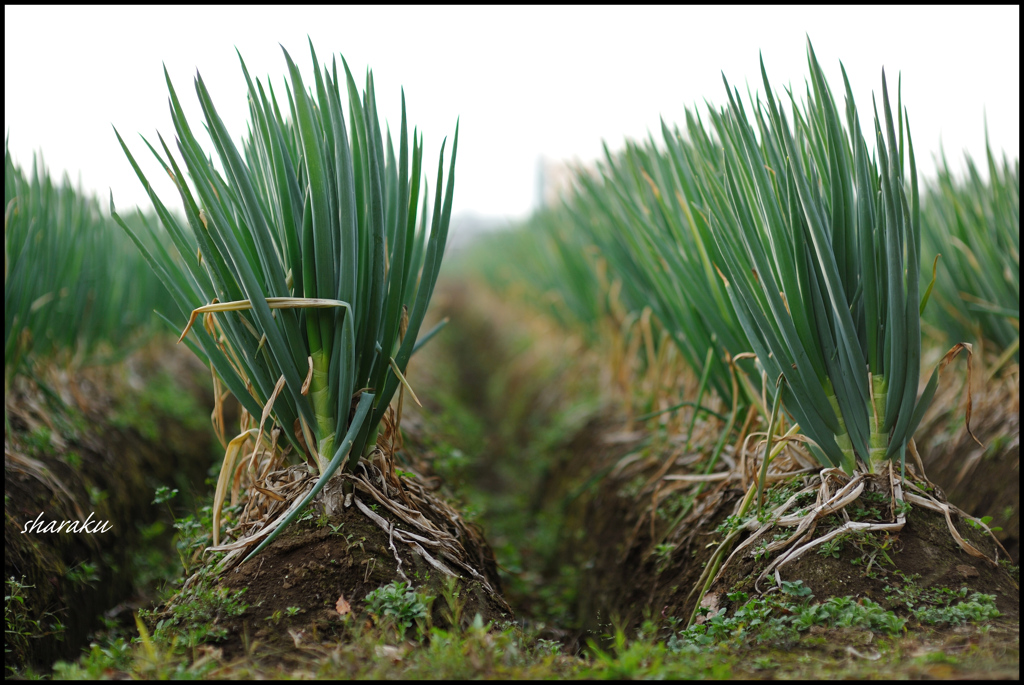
{"points": [[76, 291], [799, 243], [974, 224], [780, 229]]}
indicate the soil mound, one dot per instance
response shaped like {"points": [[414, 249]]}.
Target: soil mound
{"points": [[647, 545], [984, 480], [93, 448], [310, 587]]}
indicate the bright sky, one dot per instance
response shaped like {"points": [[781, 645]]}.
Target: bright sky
{"points": [[526, 81]]}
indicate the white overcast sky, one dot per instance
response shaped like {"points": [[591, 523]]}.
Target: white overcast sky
{"points": [[526, 81]]}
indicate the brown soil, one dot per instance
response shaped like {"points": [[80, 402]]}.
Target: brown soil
{"points": [[625, 581], [92, 463], [326, 569], [621, 583], [983, 481], [306, 591], [924, 549]]}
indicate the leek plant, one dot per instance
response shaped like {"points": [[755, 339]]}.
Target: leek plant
{"points": [[304, 258], [796, 242], [76, 291], [593, 294], [975, 226]]}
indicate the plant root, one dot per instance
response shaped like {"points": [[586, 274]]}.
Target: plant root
{"points": [[835, 491]]}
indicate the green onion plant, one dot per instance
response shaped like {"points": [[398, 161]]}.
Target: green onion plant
{"points": [[821, 244], [975, 226], [76, 291], [641, 216], [306, 245]]}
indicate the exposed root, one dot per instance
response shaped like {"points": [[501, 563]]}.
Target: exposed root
{"points": [[923, 499], [445, 543], [836, 491], [846, 495], [427, 523]]}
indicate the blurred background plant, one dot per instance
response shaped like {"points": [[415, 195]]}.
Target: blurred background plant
{"points": [[975, 225], [76, 291]]}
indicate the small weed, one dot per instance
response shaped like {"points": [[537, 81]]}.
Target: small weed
{"points": [[832, 548], [73, 458], [628, 660], [398, 606], [632, 489], [984, 519], [164, 494], [100, 660], [97, 496], [795, 588], [83, 574], [38, 441], [845, 612], [938, 658], [195, 613], [978, 607], [454, 604], [670, 507], [865, 513], [663, 553], [730, 524], [547, 647], [349, 544], [1011, 568], [195, 534], [941, 605], [781, 618], [19, 626]]}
